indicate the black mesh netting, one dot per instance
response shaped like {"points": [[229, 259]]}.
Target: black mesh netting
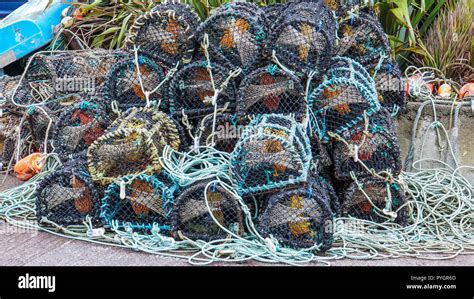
{"points": [[132, 144], [236, 35], [375, 200], [78, 127], [40, 123], [66, 196], [341, 101], [377, 149], [165, 33], [9, 122], [299, 218], [192, 218], [52, 78], [304, 36], [124, 87], [140, 202], [320, 152], [361, 37], [228, 129], [271, 90], [271, 13], [273, 152], [182, 10], [191, 90], [389, 84]]}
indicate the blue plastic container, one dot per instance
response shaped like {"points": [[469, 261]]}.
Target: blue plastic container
{"points": [[28, 28]]}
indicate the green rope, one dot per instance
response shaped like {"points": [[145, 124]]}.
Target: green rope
{"points": [[441, 226]]}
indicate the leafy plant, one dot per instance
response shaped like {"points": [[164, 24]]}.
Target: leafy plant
{"points": [[104, 24], [448, 44], [406, 22]]}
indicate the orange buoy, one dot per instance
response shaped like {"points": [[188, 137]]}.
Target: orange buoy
{"points": [[467, 90], [445, 90], [27, 167]]}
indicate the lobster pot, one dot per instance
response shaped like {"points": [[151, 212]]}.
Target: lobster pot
{"points": [[390, 85], [379, 201], [228, 129], [191, 90], [78, 127], [236, 35], [271, 90], [166, 34], [191, 216], [132, 145], [361, 37], [124, 87], [169, 131], [298, 218], [304, 37], [67, 196], [273, 152], [51, 78], [9, 123], [377, 149], [141, 203], [40, 123], [339, 103]]}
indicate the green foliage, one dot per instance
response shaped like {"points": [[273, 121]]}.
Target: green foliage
{"points": [[449, 42], [406, 22], [104, 24]]}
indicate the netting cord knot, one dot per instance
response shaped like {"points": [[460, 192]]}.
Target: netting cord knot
{"points": [[284, 68], [382, 58]]}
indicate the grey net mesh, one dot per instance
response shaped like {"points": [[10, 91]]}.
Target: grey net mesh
{"points": [[273, 152], [304, 37], [379, 203], [226, 134], [165, 33], [123, 82], [67, 196], [183, 10], [236, 35], [78, 127], [271, 13], [377, 148], [40, 124], [298, 218], [191, 90], [192, 218], [271, 90], [390, 85], [132, 145], [9, 123], [144, 202], [320, 152], [362, 38]]}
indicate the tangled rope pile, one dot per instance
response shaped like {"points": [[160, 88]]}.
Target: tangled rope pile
{"points": [[271, 142]]}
